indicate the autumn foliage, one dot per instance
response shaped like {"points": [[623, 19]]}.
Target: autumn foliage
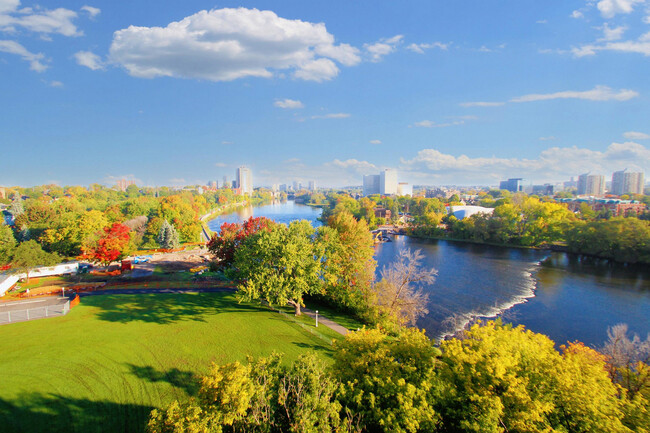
{"points": [[224, 244], [109, 244]]}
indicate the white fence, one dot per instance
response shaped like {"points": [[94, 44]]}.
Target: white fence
{"points": [[34, 313]]}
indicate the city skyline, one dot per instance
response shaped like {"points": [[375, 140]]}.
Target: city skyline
{"points": [[445, 93]]}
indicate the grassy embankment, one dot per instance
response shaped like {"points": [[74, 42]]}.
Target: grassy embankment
{"points": [[112, 359]]}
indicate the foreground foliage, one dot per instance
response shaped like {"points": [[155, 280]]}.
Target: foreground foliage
{"points": [[493, 378]]}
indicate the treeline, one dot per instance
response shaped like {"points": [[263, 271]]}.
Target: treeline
{"points": [[492, 378], [333, 264], [517, 220], [72, 221]]}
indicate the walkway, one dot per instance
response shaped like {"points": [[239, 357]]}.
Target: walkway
{"points": [[322, 320]]}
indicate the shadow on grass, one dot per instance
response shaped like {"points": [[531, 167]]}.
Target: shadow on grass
{"points": [[166, 308], [185, 380], [36, 412]]}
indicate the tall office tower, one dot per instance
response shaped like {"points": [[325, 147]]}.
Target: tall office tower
{"points": [[625, 182], [312, 185], [245, 180], [370, 184], [225, 183], [283, 187], [512, 185], [388, 182], [296, 185], [591, 184]]}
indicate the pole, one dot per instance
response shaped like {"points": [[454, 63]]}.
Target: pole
{"points": [[317, 318]]}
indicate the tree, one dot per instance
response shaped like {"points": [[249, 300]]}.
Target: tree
{"points": [[28, 255], [389, 383], [398, 299], [348, 266], [224, 244], [110, 244], [7, 243], [17, 207], [627, 360], [280, 265], [168, 236]]}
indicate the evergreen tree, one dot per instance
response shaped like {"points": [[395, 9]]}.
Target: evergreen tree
{"points": [[168, 236]]}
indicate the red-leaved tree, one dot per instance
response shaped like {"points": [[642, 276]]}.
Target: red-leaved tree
{"points": [[108, 245], [224, 244]]}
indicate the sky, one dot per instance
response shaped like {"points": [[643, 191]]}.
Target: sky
{"points": [[464, 92]]}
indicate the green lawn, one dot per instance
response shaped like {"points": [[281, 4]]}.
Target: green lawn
{"points": [[112, 359]]}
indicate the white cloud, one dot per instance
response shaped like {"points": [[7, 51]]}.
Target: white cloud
{"points": [[612, 34], [56, 84], [549, 138], [610, 8], [640, 47], [34, 59], [541, 22], [432, 124], [553, 164], [383, 47], [633, 135], [332, 116], [92, 11], [598, 93], [577, 14], [375, 141], [89, 60], [220, 164], [226, 143], [354, 164], [37, 20], [419, 48], [288, 103], [481, 104], [227, 44]]}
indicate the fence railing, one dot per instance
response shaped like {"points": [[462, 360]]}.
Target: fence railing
{"points": [[34, 313]]}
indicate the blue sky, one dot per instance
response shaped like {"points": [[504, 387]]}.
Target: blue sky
{"points": [[446, 92]]}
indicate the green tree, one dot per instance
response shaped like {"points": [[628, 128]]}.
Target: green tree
{"points": [[389, 383], [28, 255], [168, 236], [280, 265], [7, 243]]}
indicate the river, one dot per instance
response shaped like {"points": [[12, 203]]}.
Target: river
{"points": [[563, 296]]}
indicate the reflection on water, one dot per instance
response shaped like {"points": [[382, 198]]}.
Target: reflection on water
{"points": [[563, 296]]}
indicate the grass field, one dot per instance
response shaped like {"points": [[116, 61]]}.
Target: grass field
{"points": [[112, 359]]}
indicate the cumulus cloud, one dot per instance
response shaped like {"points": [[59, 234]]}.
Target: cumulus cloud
{"points": [[383, 47], [633, 135], [363, 167], [610, 8], [89, 60], [419, 48], [227, 44], [640, 46], [35, 59], [375, 141], [553, 164], [577, 14], [59, 21], [598, 93], [56, 84], [288, 103], [92, 11], [612, 34], [332, 116]]}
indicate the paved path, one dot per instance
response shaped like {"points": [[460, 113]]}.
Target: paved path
{"points": [[322, 320], [27, 304]]}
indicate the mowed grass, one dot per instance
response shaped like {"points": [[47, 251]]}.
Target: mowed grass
{"points": [[113, 358]]}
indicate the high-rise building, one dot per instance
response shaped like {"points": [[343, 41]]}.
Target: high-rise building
{"points": [[225, 183], [213, 184], [312, 185], [591, 184], [370, 184], [512, 185], [404, 188], [388, 182], [123, 184], [244, 180], [283, 187], [625, 182]]}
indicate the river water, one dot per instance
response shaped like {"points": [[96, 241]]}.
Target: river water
{"points": [[563, 296]]}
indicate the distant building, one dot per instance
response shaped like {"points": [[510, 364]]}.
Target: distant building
{"points": [[123, 184], [213, 184], [225, 183], [275, 187], [370, 184], [404, 188], [312, 185], [591, 184], [283, 187], [570, 183], [244, 180], [625, 182], [388, 182], [546, 189], [380, 212], [461, 212], [512, 185]]}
